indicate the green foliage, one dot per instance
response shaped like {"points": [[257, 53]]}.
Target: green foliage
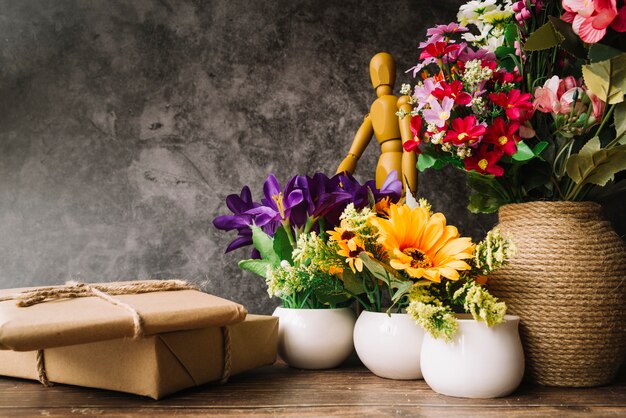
{"points": [[258, 267], [281, 245], [425, 161], [488, 194], [599, 52], [596, 165], [571, 41], [265, 245], [524, 152], [619, 116], [545, 37], [607, 79]]}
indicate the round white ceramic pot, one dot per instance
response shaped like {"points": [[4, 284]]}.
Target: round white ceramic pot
{"points": [[315, 338], [389, 345], [480, 362]]}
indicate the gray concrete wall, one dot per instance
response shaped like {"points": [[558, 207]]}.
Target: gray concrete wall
{"points": [[124, 125]]}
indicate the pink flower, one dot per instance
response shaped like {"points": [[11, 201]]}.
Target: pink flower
{"points": [[557, 96], [590, 18], [442, 33], [423, 94], [439, 113]]}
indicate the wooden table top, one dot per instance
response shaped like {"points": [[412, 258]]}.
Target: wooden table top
{"points": [[282, 391]]}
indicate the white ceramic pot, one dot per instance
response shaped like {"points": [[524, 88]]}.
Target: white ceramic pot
{"points": [[315, 338], [480, 362], [389, 346]]}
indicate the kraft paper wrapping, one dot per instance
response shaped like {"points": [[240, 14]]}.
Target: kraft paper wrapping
{"points": [[66, 322], [153, 366]]}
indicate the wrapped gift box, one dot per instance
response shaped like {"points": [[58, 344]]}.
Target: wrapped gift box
{"points": [[188, 338]]}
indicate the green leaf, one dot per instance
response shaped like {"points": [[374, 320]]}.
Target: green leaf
{"points": [[352, 283], [425, 161], [571, 41], [535, 174], [595, 165], [607, 79], [600, 52], [504, 55], [402, 289], [329, 298], [545, 37], [523, 153], [540, 147], [265, 245], [282, 247], [510, 33], [619, 115], [259, 267], [481, 203]]}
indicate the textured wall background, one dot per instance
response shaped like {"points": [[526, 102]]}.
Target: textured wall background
{"points": [[124, 125]]}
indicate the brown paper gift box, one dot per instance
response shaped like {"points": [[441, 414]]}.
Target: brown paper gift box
{"points": [[86, 341]]}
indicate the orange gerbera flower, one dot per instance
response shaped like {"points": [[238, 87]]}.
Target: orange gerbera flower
{"points": [[342, 233], [422, 244], [382, 207], [351, 250]]}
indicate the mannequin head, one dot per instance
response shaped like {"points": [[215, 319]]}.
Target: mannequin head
{"points": [[383, 73]]}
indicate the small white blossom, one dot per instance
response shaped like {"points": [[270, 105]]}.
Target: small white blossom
{"points": [[405, 89], [475, 73]]}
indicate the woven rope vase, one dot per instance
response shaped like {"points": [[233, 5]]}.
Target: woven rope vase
{"points": [[567, 283]]}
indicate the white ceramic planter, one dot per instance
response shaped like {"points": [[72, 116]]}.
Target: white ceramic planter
{"points": [[480, 362], [389, 346], [315, 338]]}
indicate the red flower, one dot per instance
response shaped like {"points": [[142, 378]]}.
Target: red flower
{"points": [[515, 103], [454, 91], [416, 129], [465, 130], [502, 76], [485, 162], [438, 50], [503, 136]]}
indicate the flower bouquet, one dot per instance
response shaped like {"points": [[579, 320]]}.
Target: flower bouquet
{"points": [[527, 97], [292, 249], [301, 264], [422, 264]]}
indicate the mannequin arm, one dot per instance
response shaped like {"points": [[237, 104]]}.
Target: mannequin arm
{"points": [[359, 143], [409, 159]]}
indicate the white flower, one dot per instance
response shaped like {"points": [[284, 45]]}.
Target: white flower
{"points": [[405, 89], [475, 73], [472, 11]]}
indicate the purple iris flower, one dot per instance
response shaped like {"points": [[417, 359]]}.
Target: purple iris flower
{"points": [[277, 204], [238, 205]]}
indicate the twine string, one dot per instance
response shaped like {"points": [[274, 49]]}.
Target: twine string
{"points": [[227, 355], [566, 282]]}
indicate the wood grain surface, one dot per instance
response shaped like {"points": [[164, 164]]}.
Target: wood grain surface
{"points": [[282, 391]]}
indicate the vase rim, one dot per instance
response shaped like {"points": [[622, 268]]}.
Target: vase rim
{"points": [[465, 317], [312, 309]]}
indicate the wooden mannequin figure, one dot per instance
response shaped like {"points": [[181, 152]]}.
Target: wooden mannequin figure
{"points": [[390, 131]]}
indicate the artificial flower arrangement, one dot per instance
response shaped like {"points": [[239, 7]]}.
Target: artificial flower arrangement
{"points": [[324, 242], [292, 249], [527, 97], [426, 267]]}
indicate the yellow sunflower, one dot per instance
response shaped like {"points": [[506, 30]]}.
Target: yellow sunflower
{"points": [[422, 244], [342, 233]]}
